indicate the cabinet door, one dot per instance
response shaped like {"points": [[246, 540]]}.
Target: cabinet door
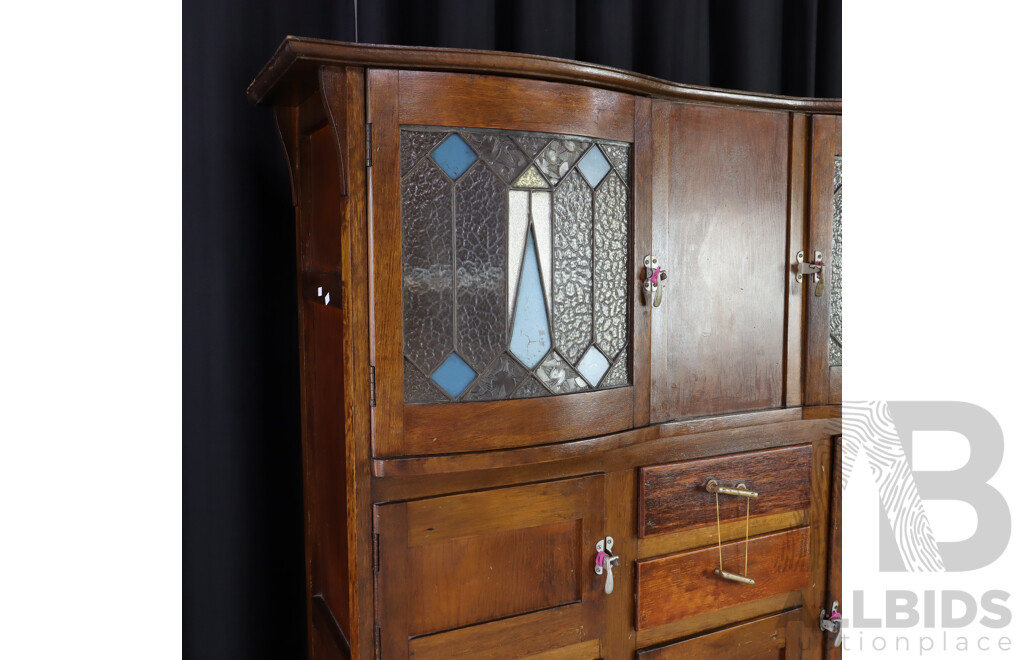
{"points": [[719, 230], [505, 573], [503, 234], [825, 312]]}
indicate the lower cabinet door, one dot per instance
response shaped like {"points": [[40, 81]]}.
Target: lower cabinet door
{"points": [[503, 573], [764, 638]]}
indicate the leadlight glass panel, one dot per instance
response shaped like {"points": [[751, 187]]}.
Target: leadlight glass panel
{"points": [[835, 320], [515, 251]]}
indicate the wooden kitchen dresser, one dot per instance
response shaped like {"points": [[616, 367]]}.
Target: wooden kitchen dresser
{"points": [[552, 343]]}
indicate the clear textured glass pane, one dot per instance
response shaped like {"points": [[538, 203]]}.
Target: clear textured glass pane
{"points": [[573, 281], [500, 152], [531, 389], [480, 223], [454, 375], [530, 339], [454, 156], [617, 374], [619, 156], [558, 375], [531, 144], [499, 381], [835, 320], [559, 156], [416, 145], [593, 166], [531, 178], [611, 252], [593, 366], [428, 284], [419, 388], [518, 226]]}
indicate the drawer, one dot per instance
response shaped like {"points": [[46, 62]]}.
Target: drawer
{"points": [[674, 497], [764, 638], [684, 584]]}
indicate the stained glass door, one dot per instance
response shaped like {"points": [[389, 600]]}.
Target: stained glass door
{"points": [[825, 312], [511, 266]]}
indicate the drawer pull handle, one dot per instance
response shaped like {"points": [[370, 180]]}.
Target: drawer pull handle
{"points": [[732, 576], [740, 490]]}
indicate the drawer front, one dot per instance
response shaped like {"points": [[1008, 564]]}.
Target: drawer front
{"points": [[684, 584], [765, 638], [674, 497]]}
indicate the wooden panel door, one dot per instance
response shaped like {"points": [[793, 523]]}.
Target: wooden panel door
{"points": [[497, 322], [719, 229], [824, 312], [504, 573]]}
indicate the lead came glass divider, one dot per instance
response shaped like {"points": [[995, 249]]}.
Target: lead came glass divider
{"points": [[479, 164]]}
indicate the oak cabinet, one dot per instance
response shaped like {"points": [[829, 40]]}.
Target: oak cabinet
{"points": [[552, 341]]}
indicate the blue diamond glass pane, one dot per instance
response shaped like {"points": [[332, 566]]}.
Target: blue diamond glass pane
{"points": [[454, 156], [594, 166], [593, 366], [454, 375], [530, 338]]}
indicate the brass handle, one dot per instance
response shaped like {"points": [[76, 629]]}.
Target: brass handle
{"points": [[732, 576], [740, 490]]}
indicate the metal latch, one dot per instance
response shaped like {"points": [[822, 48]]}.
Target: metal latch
{"points": [[654, 280], [832, 623], [604, 562], [804, 268]]}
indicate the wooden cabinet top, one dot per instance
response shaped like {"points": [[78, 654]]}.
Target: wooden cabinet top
{"points": [[291, 74]]}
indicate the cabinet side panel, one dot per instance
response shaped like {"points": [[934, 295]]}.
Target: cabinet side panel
{"points": [[717, 339], [326, 466]]}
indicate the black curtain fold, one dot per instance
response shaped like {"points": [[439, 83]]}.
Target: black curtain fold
{"points": [[243, 591], [773, 46]]}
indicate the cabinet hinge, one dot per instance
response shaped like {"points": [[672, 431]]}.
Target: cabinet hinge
{"points": [[376, 553], [373, 386], [376, 642], [369, 145]]}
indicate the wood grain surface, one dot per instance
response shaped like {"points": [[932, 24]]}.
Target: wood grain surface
{"points": [[674, 497], [760, 639], [719, 226], [677, 586]]}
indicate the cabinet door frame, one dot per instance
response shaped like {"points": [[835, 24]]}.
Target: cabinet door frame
{"points": [[436, 525], [824, 383], [397, 98], [720, 222]]}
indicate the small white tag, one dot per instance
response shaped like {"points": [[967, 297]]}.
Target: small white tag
{"points": [[319, 291], [327, 299]]}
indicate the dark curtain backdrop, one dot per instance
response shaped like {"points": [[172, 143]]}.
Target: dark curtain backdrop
{"points": [[243, 554]]}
